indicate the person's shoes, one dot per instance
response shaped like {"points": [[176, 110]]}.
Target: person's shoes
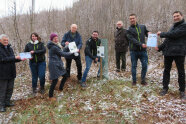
{"points": [[134, 83], [117, 70], [83, 84], [34, 92], [123, 70], [52, 99], [42, 90], [79, 81], [163, 92], [2, 109], [143, 82], [182, 95], [9, 104]]}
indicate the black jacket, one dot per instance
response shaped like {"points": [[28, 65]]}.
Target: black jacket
{"points": [[91, 47], [136, 36], [121, 41], [7, 63], [175, 42], [39, 51]]}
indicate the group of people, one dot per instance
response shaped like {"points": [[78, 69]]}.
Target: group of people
{"points": [[173, 47]]}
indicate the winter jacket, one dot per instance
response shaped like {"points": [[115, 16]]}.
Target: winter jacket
{"points": [[68, 37], [175, 42], [136, 36], [121, 41], [56, 66], [7, 63], [91, 48], [39, 51]]}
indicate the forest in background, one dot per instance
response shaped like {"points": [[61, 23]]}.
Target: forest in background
{"points": [[89, 15]]}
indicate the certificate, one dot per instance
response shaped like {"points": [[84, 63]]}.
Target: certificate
{"points": [[100, 51], [72, 47], [26, 55], [152, 40]]}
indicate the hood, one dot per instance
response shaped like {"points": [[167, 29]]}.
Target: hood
{"points": [[50, 44]]}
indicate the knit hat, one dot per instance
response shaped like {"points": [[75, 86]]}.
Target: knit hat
{"points": [[52, 35]]}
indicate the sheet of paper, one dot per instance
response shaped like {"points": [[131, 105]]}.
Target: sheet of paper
{"points": [[152, 40], [100, 51], [72, 47], [26, 55]]}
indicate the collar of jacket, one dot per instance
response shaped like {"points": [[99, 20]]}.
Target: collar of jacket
{"points": [[1, 45], [69, 32], [119, 28], [178, 23], [36, 42], [134, 25]]}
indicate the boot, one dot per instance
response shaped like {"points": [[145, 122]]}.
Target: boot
{"points": [[2, 109], [42, 90]]}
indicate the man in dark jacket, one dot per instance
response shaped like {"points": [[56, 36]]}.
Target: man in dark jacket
{"points": [[174, 49], [136, 35], [7, 73], [121, 45], [90, 54], [73, 36]]}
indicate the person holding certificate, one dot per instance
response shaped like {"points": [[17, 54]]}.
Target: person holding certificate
{"points": [[56, 66], [174, 49], [73, 36], [91, 55], [7, 73], [37, 63], [136, 35]]}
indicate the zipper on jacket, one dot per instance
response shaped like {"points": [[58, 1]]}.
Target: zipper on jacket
{"points": [[138, 34], [35, 54]]}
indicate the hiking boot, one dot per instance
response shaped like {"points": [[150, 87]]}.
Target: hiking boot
{"points": [[2, 109], [143, 82], [83, 84], [42, 90], [134, 83], [182, 95], [163, 92], [117, 70]]}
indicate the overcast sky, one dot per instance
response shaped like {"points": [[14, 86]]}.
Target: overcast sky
{"points": [[24, 5]]}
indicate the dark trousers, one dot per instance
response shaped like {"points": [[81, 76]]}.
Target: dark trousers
{"points": [[78, 64], [121, 56], [6, 90], [142, 55], [179, 60], [53, 85], [38, 70]]}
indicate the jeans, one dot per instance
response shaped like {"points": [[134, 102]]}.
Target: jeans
{"points": [[6, 90], [142, 55], [179, 60], [53, 85], [38, 70], [88, 65], [78, 64], [122, 56]]}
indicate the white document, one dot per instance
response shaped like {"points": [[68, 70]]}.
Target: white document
{"points": [[26, 55], [72, 47], [100, 51], [152, 40]]}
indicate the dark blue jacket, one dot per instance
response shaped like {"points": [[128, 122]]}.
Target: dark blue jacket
{"points": [[68, 37]]}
